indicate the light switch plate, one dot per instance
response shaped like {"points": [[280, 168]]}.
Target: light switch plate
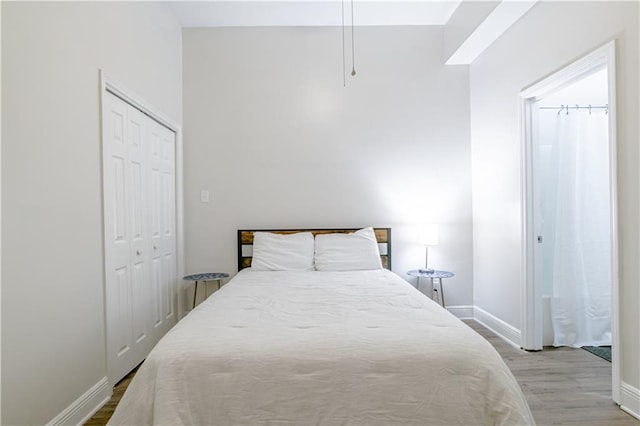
{"points": [[204, 196]]}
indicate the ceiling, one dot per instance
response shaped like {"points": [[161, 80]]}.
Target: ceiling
{"points": [[245, 13]]}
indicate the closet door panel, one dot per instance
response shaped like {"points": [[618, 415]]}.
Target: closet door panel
{"points": [[169, 226], [139, 298], [156, 282], [137, 204], [139, 229], [163, 188], [118, 197], [156, 300], [117, 238], [138, 141], [121, 338], [157, 205]]}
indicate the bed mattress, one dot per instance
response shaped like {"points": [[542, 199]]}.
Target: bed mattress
{"points": [[302, 348]]}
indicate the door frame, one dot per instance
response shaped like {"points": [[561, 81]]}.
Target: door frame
{"points": [[110, 85], [531, 300]]}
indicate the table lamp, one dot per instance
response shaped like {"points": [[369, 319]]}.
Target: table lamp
{"points": [[428, 236]]}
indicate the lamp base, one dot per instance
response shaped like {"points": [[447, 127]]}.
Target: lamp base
{"points": [[426, 269]]}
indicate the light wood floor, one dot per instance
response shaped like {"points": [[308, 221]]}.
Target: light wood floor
{"points": [[563, 386]]}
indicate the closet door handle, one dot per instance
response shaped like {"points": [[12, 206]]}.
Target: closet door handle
{"points": [[138, 253]]}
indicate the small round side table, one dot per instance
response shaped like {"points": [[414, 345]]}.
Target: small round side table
{"points": [[207, 276], [432, 274]]}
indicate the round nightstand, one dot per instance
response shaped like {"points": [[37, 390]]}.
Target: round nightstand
{"points": [[432, 274], [207, 276]]}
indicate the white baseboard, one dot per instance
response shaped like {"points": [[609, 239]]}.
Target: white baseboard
{"points": [[462, 312], [507, 332], [630, 399], [86, 406]]}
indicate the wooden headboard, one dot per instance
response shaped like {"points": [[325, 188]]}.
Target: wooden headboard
{"points": [[245, 241]]}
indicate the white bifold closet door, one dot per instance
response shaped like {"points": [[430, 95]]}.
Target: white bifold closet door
{"points": [[140, 238]]}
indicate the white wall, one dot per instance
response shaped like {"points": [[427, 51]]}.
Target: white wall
{"points": [[550, 36], [53, 338], [278, 141]]}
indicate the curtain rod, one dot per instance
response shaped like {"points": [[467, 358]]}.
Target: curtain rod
{"points": [[576, 107]]}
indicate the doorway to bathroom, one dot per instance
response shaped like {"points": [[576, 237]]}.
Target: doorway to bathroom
{"points": [[570, 250]]}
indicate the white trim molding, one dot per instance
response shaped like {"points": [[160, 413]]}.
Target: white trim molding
{"points": [[506, 331], [109, 84], [603, 57], [462, 311], [86, 406], [630, 399]]}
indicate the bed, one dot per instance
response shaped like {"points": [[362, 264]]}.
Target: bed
{"points": [[322, 347]]}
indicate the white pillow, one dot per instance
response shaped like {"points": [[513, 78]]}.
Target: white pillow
{"points": [[348, 252], [282, 252]]}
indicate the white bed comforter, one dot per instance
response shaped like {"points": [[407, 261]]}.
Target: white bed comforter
{"points": [[330, 348]]}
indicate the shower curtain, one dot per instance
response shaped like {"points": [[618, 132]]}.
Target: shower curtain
{"points": [[580, 227]]}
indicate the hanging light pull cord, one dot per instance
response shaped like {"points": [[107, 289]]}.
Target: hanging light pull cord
{"points": [[353, 48]]}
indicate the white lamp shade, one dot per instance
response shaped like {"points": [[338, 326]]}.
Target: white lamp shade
{"points": [[429, 235]]}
